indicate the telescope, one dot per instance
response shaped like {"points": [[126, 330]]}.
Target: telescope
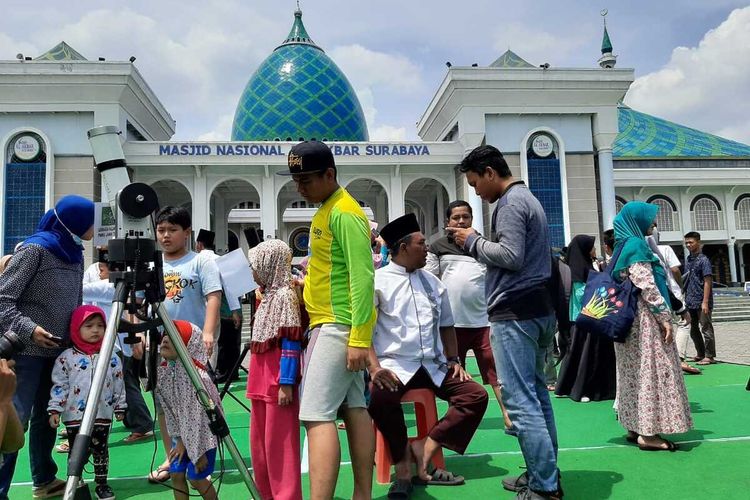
{"points": [[135, 265]]}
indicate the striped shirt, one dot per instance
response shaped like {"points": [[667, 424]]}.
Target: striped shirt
{"points": [[339, 284]]}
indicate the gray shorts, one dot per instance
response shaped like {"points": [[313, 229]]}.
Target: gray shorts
{"points": [[326, 383]]}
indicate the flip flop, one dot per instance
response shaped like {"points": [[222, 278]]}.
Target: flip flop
{"points": [[691, 370], [134, 437], [671, 447], [63, 447], [705, 362], [160, 475], [440, 477], [400, 488]]}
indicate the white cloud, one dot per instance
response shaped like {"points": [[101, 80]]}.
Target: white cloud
{"points": [[705, 87], [221, 131], [537, 46], [388, 133], [369, 68]]}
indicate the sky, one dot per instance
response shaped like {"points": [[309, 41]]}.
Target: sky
{"points": [[691, 57]]}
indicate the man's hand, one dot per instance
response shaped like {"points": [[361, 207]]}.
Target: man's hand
{"points": [[54, 420], [43, 338], [286, 395], [7, 382], [668, 333], [357, 358], [455, 370], [704, 308], [385, 379], [177, 453], [460, 235], [236, 319], [208, 343]]}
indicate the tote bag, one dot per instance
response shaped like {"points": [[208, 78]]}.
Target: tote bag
{"points": [[609, 307]]}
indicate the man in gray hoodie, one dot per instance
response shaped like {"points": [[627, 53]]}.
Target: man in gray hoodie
{"points": [[520, 312]]}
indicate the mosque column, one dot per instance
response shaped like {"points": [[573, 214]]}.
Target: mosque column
{"points": [[477, 209], [268, 206], [396, 199], [742, 270], [732, 261], [220, 223], [201, 203], [607, 186]]}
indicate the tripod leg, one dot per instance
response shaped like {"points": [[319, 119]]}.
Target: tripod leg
{"points": [[216, 419], [77, 458], [236, 367]]}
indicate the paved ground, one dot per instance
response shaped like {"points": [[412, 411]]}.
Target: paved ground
{"points": [[732, 342]]}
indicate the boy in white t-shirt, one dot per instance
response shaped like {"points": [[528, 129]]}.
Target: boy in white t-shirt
{"points": [[193, 290]]}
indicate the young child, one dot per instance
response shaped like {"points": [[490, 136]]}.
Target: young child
{"points": [[193, 452], [273, 377], [71, 379]]}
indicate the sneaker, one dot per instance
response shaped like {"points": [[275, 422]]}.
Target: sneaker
{"points": [[516, 483], [104, 492], [54, 488], [527, 493]]}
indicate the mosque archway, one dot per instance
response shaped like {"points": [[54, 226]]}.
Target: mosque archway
{"points": [[372, 197], [234, 206], [427, 199]]}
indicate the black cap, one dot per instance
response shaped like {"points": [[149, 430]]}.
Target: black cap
{"points": [[397, 229], [206, 237], [309, 157], [102, 255]]}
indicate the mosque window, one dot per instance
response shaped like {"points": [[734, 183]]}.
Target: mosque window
{"points": [[665, 218], [706, 212], [251, 205], [619, 203], [24, 186], [543, 169], [742, 212]]}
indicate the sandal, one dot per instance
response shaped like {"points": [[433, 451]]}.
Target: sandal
{"points": [[440, 477], [690, 370], [63, 447], [632, 438], [54, 488], [706, 361], [134, 437], [400, 488], [160, 475], [671, 447]]}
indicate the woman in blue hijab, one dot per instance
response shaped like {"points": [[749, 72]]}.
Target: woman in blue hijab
{"points": [[39, 290], [651, 395]]}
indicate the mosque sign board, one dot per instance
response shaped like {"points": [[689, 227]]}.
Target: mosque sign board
{"points": [[271, 149], [542, 145]]}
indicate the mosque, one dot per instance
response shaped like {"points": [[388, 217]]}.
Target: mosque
{"points": [[564, 131]]}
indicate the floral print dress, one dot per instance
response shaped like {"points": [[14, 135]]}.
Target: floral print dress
{"points": [[651, 392]]}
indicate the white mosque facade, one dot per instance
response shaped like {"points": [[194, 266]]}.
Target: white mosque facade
{"points": [[563, 130]]}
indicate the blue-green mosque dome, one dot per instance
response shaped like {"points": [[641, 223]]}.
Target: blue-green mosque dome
{"points": [[299, 93]]}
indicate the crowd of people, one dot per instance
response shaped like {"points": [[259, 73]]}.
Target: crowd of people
{"points": [[363, 327]]}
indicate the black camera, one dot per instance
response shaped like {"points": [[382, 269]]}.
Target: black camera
{"points": [[10, 344]]}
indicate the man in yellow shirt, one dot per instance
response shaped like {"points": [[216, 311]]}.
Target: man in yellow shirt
{"points": [[339, 288]]}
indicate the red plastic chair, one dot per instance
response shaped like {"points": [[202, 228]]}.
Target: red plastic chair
{"points": [[425, 410]]}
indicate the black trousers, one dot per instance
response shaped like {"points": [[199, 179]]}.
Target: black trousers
{"points": [[137, 416], [99, 448], [702, 333], [228, 350]]}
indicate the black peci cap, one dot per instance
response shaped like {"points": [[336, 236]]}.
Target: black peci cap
{"points": [[206, 237], [397, 229], [309, 157]]}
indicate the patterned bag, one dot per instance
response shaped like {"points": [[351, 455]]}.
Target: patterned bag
{"points": [[609, 307]]}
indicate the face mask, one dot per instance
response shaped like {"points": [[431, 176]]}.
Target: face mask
{"points": [[77, 239]]}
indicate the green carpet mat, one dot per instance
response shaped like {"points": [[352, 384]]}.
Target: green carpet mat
{"points": [[595, 459]]}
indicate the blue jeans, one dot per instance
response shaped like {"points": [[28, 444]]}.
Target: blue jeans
{"points": [[34, 381], [520, 349]]}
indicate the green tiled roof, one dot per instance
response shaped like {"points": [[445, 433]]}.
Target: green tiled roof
{"points": [[510, 60], [645, 136], [61, 52]]}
